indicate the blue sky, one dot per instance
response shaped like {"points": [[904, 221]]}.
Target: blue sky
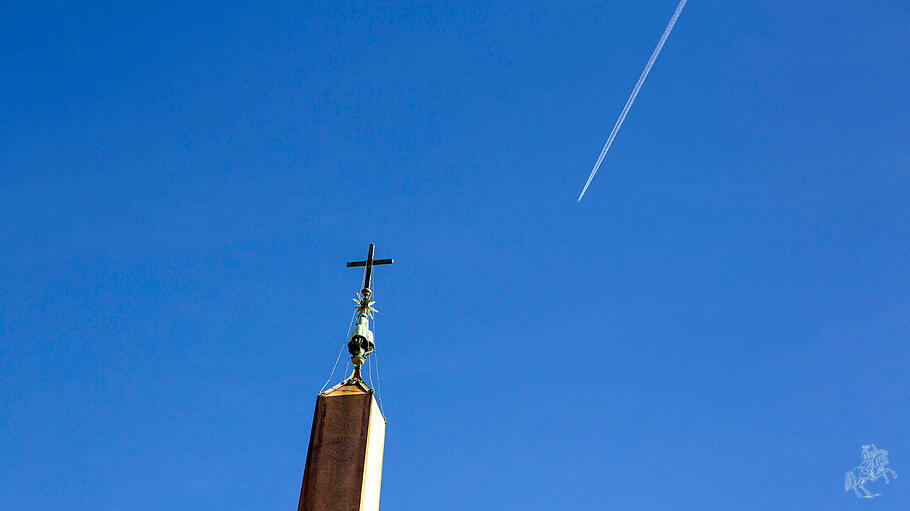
{"points": [[721, 323]]}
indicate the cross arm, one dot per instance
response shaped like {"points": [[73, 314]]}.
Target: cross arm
{"points": [[375, 262]]}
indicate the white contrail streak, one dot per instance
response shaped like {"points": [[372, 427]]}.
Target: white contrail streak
{"points": [[625, 109]]}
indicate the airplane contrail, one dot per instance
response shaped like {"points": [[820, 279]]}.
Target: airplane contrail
{"points": [[641, 80]]}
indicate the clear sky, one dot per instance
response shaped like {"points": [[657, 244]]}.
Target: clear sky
{"points": [[720, 324]]}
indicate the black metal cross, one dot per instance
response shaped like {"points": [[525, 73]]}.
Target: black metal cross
{"points": [[368, 272]]}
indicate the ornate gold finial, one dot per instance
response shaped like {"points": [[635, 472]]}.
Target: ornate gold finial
{"points": [[361, 343]]}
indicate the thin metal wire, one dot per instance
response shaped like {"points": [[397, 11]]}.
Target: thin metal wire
{"points": [[378, 385], [370, 372], [340, 350], [378, 393], [369, 364], [339, 354], [378, 396]]}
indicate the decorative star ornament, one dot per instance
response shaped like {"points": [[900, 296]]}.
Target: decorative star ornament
{"points": [[365, 305]]}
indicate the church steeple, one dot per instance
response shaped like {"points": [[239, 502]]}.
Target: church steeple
{"points": [[344, 459]]}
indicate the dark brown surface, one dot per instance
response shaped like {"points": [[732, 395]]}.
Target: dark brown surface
{"points": [[333, 477]]}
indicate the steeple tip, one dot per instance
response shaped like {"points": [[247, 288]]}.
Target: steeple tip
{"points": [[361, 343]]}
